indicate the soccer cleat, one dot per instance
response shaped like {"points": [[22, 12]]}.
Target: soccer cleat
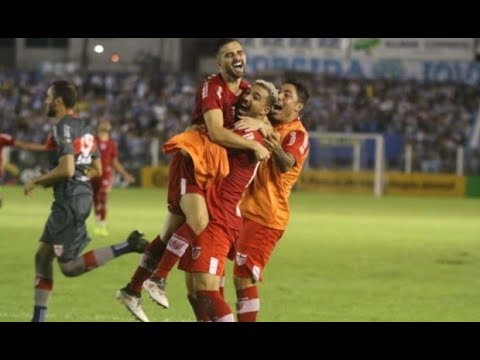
{"points": [[132, 303], [155, 287], [137, 242]]}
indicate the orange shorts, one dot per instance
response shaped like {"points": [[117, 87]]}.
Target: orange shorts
{"points": [[253, 249], [209, 252], [181, 180]]}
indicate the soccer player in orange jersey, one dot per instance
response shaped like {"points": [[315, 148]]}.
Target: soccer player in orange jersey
{"points": [[262, 227], [102, 185]]}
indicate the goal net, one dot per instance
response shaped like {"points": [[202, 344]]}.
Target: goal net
{"points": [[346, 162]]}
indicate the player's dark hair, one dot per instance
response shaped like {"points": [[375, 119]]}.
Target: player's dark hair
{"points": [[67, 91], [302, 91], [222, 42]]}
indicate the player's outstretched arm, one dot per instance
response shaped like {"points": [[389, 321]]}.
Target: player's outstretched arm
{"points": [[30, 146]]}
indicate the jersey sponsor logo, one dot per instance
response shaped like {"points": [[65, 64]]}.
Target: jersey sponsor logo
{"points": [[219, 93], [241, 259], [196, 250], [58, 250], [85, 147]]}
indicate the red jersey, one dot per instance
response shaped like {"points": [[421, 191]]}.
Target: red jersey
{"points": [[215, 94], [223, 199], [108, 152], [5, 140]]}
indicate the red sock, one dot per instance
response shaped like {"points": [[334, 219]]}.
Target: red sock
{"points": [[43, 284], [149, 262], [156, 248], [135, 284], [212, 303], [176, 247], [248, 304], [199, 311], [90, 260]]}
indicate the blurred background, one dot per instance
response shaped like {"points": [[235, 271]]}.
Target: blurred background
{"points": [[413, 102], [396, 117]]}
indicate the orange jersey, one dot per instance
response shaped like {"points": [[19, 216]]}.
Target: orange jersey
{"points": [[266, 199], [210, 160]]}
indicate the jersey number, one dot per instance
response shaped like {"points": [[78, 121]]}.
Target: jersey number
{"points": [[86, 147]]}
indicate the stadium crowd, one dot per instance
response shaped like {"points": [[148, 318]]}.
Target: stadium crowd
{"points": [[435, 118]]}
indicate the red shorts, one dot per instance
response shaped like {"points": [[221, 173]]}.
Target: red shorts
{"points": [[209, 252], [253, 249], [181, 180]]}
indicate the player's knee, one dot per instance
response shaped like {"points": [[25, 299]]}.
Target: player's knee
{"points": [[199, 222], [71, 269]]}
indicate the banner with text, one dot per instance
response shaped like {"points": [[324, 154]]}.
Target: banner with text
{"points": [[395, 183], [330, 56]]}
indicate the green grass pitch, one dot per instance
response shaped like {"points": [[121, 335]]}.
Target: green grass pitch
{"points": [[342, 258]]}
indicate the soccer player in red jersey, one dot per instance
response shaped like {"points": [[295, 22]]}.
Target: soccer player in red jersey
{"points": [[265, 204], [102, 185], [214, 107]]}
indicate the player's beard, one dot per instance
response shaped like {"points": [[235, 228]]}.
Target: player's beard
{"points": [[235, 74], [51, 112]]}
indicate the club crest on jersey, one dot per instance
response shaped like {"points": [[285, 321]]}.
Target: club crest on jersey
{"points": [[58, 250], [196, 250], [241, 259]]}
